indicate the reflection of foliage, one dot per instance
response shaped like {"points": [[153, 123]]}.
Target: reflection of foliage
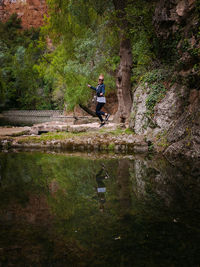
{"points": [[161, 224]]}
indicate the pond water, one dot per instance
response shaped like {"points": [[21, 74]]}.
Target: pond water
{"points": [[5, 122], [90, 210]]}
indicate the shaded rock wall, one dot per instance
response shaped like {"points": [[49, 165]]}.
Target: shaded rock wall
{"points": [[176, 114], [31, 12]]}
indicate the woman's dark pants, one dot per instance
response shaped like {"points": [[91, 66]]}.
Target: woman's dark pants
{"points": [[99, 113]]}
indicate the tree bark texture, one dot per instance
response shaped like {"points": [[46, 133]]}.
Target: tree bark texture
{"points": [[123, 81], [123, 77]]}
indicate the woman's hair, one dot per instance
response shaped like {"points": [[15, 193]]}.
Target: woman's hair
{"points": [[101, 76]]}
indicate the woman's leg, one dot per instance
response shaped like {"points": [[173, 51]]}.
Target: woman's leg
{"points": [[98, 110]]}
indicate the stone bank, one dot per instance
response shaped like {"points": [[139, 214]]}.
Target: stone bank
{"points": [[83, 137]]}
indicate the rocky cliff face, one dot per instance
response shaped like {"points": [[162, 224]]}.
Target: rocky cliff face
{"points": [[31, 12], [166, 106]]}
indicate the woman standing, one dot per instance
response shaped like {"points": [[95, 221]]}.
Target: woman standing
{"points": [[101, 100]]}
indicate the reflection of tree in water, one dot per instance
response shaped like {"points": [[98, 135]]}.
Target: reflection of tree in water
{"points": [[151, 216], [123, 180]]}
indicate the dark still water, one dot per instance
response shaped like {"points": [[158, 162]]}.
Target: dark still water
{"points": [[62, 210]]}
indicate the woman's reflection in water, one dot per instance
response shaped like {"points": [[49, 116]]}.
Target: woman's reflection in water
{"points": [[101, 188]]}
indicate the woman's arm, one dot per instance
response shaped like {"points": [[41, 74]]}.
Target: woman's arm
{"points": [[91, 87]]}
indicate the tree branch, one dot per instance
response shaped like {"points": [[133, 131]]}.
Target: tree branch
{"points": [[89, 111]]}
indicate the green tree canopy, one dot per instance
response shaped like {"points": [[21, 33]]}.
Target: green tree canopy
{"points": [[20, 52]]}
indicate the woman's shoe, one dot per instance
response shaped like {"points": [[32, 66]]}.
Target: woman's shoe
{"points": [[102, 124]]}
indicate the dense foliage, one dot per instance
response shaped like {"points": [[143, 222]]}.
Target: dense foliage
{"points": [[83, 48], [86, 42], [20, 84], [51, 67]]}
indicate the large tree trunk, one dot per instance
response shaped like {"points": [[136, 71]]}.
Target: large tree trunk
{"points": [[123, 79]]}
